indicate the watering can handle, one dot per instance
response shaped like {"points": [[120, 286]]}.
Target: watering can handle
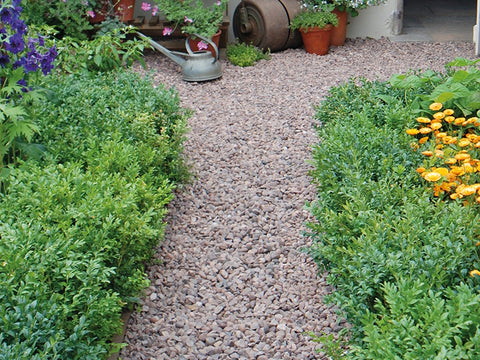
{"points": [[187, 45]]}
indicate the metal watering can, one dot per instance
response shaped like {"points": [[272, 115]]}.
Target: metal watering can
{"points": [[197, 65]]}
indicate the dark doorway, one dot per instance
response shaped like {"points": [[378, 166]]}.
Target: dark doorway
{"points": [[439, 20]]}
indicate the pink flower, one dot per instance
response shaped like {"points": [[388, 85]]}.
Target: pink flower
{"points": [[155, 10], [219, 2], [90, 13], [167, 31], [146, 6], [188, 20], [202, 45]]}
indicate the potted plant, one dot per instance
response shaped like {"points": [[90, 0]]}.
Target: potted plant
{"points": [[194, 17], [315, 26], [342, 8]]}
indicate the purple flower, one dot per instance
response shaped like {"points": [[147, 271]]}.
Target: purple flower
{"points": [[155, 10], [15, 43], [4, 60]]}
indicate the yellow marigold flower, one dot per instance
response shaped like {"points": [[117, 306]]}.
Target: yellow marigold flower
{"points": [[472, 120], [454, 196], [452, 178], [436, 126], [459, 121], [438, 115], [412, 131], [441, 170], [449, 119], [451, 161], [420, 170], [439, 153], [423, 120], [448, 112], [425, 130], [423, 140], [472, 137], [468, 168], [457, 170], [427, 153], [474, 272], [463, 142], [449, 139], [437, 190], [432, 176], [414, 146], [447, 186], [462, 156], [440, 134], [465, 190], [435, 106]]}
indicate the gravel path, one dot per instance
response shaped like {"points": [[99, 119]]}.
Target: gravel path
{"points": [[233, 283]]}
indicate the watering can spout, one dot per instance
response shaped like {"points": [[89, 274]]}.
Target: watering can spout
{"points": [[177, 59], [197, 66]]}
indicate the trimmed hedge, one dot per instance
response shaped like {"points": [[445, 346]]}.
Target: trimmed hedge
{"points": [[78, 227], [399, 259]]}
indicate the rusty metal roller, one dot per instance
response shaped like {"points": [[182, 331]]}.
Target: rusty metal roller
{"points": [[264, 23]]}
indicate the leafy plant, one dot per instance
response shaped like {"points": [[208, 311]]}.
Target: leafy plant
{"points": [[104, 53], [243, 55], [192, 16], [69, 18], [311, 18]]}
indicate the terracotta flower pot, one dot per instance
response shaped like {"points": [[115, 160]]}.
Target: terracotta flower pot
{"points": [[124, 9], [316, 40], [339, 33], [100, 14], [194, 43]]}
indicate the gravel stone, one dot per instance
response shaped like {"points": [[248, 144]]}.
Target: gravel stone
{"points": [[233, 282]]}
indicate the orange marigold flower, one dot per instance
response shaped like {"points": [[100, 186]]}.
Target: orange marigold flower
{"points": [[440, 134], [457, 170], [439, 153], [427, 153], [414, 146], [474, 272], [423, 120], [463, 142], [459, 121], [423, 140], [449, 140], [448, 111], [441, 170], [462, 156], [436, 126], [451, 161], [468, 168], [412, 131], [472, 120], [435, 106], [421, 170], [449, 119], [425, 130], [438, 115], [454, 196], [465, 190], [432, 176]]}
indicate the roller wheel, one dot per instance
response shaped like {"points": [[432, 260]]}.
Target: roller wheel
{"points": [[264, 23]]}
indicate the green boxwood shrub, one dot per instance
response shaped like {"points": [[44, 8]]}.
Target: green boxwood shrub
{"points": [[78, 227], [386, 243]]}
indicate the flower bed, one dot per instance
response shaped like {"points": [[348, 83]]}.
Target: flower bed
{"points": [[400, 258]]}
